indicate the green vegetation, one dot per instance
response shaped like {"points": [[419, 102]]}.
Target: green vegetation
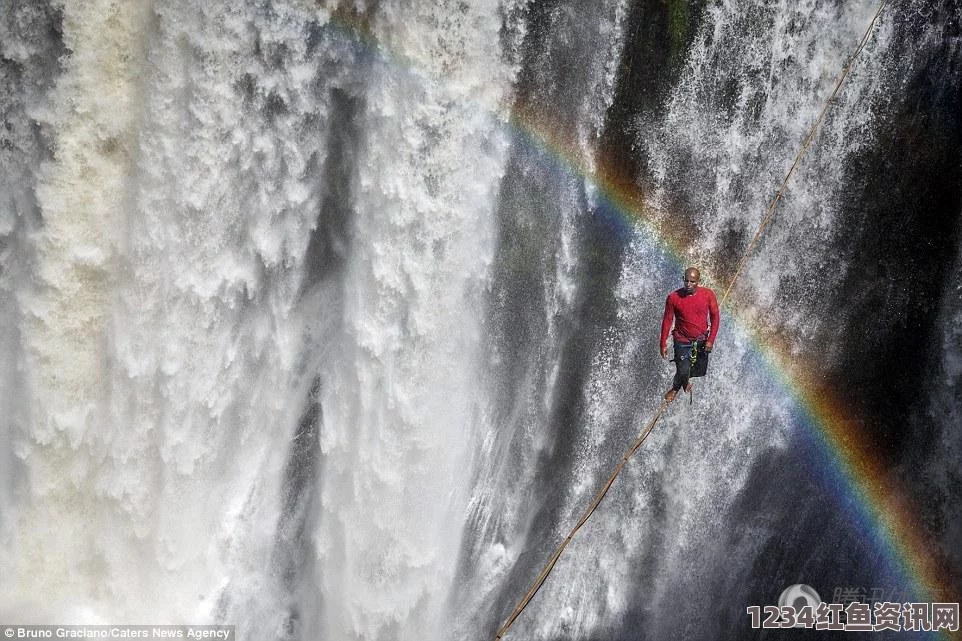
{"points": [[679, 29]]}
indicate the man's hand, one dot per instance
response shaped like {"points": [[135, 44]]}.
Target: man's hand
{"points": [[664, 352], [709, 347]]}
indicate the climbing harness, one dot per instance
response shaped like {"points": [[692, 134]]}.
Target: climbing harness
{"points": [[697, 363], [699, 360], [697, 366], [806, 143]]}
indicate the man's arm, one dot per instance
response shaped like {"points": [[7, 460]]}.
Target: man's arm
{"points": [[714, 318], [666, 326]]}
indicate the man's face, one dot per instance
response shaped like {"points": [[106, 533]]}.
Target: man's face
{"points": [[691, 281]]}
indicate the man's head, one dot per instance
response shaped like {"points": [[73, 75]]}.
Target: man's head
{"points": [[692, 276]]}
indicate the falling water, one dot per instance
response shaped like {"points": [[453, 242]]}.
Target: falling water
{"points": [[326, 320]]}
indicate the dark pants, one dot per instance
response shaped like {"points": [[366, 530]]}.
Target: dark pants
{"points": [[682, 364]]}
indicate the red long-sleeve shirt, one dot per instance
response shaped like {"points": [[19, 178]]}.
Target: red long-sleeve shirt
{"points": [[692, 314]]}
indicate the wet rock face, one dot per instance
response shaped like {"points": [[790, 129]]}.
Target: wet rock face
{"points": [[895, 245], [900, 239], [334, 329]]}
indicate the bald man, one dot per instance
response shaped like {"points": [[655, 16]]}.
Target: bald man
{"points": [[694, 311]]}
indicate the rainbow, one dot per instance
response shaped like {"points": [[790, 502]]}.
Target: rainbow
{"points": [[842, 445], [879, 507]]}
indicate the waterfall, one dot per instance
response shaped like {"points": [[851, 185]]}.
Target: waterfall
{"points": [[692, 517], [252, 220], [402, 408], [327, 319]]}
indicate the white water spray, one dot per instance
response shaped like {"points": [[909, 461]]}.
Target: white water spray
{"points": [[170, 341], [176, 327], [401, 399]]}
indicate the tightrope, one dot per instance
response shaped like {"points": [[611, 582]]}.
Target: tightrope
{"points": [[766, 219], [806, 143]]}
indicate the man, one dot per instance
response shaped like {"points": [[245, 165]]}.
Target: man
{"points": [[694, 311]]}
